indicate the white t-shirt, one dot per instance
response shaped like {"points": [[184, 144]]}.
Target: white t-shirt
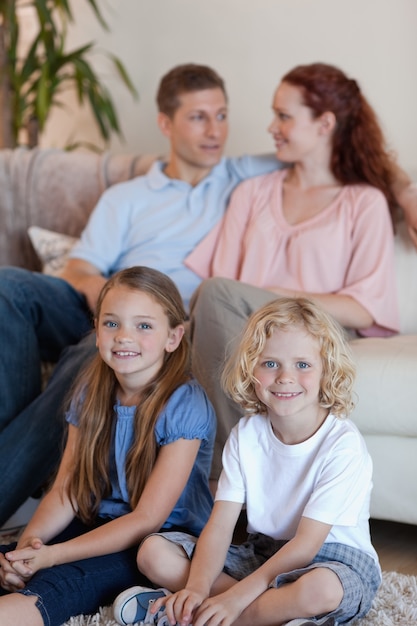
{"points": [[327, 478]]}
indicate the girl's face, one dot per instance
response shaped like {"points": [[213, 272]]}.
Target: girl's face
{"points": [[296, 133], [289, 372], [133, 334]]}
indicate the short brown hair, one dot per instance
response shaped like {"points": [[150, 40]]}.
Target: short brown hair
{"points": [[184, 79]]}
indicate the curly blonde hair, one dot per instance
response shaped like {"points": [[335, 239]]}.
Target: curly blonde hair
{"points": [[336, 386]]}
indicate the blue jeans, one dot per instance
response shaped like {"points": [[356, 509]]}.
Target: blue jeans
{"points": [[82, 586], [39, 317]]}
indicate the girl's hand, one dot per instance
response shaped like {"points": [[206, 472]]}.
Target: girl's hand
{"points": [[180, 606], [31, 558], [9, 579]]}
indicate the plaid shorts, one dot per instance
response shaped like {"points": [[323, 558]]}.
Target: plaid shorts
{"points": [[358, 573]]}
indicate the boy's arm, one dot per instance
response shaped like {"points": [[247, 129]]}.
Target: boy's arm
{"points": [[207, 563]]}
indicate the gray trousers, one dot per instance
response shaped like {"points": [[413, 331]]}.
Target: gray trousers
{"points": [[219, 310]]}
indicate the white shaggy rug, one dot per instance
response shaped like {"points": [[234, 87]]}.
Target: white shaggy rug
{"points": [[394, 605]]}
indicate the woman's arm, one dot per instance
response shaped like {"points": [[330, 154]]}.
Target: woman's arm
{"points": [[405, 192], [165, 485], [345, 309]]}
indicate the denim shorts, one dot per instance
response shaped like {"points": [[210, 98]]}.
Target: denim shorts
{"points": [[358, 573]]}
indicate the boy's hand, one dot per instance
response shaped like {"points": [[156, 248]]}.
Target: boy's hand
{"points": [[221, 609], [180, 606]]}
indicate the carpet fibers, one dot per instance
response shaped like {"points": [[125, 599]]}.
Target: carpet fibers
{"points": [[394, 605]]}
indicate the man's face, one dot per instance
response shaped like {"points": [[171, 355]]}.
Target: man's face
{"points": [[197, 132]]}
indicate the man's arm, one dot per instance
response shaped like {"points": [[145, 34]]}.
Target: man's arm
{"points": [[85, 278]]}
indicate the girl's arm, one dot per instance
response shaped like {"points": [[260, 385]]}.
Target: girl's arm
{"points": [[165, 485], [206, 565], [226, 607], [54, 512]]}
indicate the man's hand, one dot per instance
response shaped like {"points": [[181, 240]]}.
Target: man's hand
{"points": [[85, 278]]}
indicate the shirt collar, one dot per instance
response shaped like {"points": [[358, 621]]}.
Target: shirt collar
{"points": [[158, 180]]}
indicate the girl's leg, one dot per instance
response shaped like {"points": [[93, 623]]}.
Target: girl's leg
{"points": [[317, 592], [67, 590], [167, 565], [16, 608]]}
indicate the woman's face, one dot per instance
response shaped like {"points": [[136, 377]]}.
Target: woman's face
{"points": [[297, 134]]}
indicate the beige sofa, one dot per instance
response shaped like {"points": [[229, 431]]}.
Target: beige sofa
{"points": [[56, 190]]}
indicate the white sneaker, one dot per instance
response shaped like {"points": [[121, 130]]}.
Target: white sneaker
{"points": [[134, 604], [323, 621]]}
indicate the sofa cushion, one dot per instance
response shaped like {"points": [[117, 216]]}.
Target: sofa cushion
{"points": [[386, 385], [52, 248]]}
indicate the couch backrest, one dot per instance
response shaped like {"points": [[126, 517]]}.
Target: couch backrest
{"points": [[56, 190]]}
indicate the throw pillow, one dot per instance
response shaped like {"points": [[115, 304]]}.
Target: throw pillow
{"points": [[52, 248]]}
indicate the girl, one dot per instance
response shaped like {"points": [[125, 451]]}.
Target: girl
{"points": [[304, 474], [136, 460]]}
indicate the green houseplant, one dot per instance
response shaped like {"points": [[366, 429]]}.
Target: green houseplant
{"points": [[33, 83]]}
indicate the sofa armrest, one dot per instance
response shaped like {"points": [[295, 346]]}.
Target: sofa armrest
{"points": [[386, 385], [56, 190]]}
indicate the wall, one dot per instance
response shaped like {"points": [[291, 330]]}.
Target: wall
{"points": [[251, 43]]}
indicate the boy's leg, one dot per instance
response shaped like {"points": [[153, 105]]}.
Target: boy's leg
{"points": [[219, 310], [316, 593]]}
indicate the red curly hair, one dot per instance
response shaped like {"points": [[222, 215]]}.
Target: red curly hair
{"points": [[359, 152]]}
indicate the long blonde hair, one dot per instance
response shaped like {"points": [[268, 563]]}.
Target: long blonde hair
{"points": [[338, 367], [95, 397]]}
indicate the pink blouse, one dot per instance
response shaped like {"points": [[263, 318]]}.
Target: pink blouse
{"points": [[347, 248]]}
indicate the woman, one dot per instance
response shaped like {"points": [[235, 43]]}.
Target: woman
{"points": [[321, 228]]}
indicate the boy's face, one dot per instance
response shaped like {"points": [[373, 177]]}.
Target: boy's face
{"points": [[197, 132], [288, 374]]}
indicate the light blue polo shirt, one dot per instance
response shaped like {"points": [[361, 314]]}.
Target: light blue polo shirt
{"points": [[157, 221]]}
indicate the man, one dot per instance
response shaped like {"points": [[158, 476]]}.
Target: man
{"points": [[153, 220]]}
